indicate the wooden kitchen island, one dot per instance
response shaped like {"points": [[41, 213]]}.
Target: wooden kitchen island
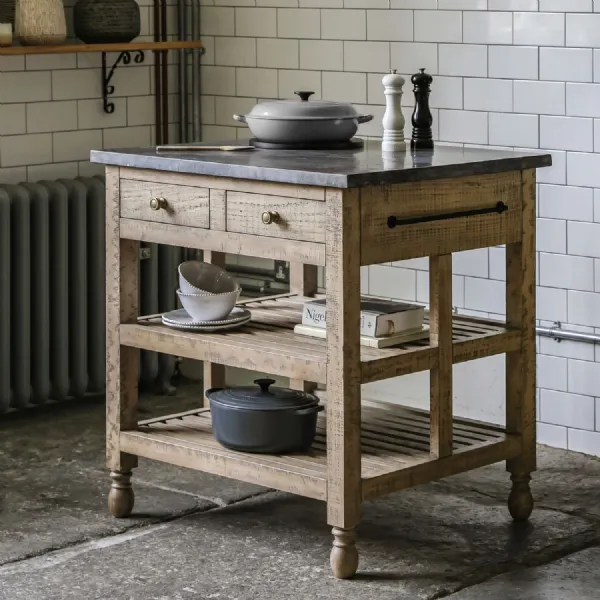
{"points": [[342, 210]]}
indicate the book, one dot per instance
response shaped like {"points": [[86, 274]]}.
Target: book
{"points": [[377, 317], [387, 341]]}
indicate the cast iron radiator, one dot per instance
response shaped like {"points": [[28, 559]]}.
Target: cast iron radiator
{"points": [[52, 284]]}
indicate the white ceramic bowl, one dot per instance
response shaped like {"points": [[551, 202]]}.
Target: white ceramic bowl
{"points": [[197, 277], [208, 307]]}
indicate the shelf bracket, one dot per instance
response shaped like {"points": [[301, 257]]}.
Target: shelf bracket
{"points": [[124, 58]]}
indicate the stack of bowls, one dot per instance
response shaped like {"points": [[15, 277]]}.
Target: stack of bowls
{"points": [[206, 292]]}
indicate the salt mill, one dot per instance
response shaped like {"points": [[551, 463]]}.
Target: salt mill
{"points": [[393, 119], [422, 120]]}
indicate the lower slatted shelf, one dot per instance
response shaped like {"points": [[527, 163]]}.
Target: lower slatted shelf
{"points": [[394, 440]]}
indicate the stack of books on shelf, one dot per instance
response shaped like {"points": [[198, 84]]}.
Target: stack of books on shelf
{"points": [[383, 323]]}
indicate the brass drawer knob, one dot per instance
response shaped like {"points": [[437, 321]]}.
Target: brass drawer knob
{"points": [[269, 217], [158, 203]]}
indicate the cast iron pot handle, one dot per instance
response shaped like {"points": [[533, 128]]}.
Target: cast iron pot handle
{"points": [[264, 383], [311, 410], [364, 118], [240, 118]]}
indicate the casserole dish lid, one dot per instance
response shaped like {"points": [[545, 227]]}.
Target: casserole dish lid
{"points": [[262, 397], [305, 109]]}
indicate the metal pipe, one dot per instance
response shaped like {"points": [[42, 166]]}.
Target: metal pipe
{"points": [[558, 334], [157, 76], [196, 113], [182, 84], [164, 73]]}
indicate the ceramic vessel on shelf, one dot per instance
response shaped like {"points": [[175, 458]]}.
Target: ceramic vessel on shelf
{"points": [[208, 307], [5, 34], [7, 11], [106, 21], [197, 277], [40, 22]]}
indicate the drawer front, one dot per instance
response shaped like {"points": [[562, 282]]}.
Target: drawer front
{"points": [[439, 217], [165, 203], [274, 216]]}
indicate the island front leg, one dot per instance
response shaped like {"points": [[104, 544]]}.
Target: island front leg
{"points": [[344, 495], [520, 364], [121, 362]]}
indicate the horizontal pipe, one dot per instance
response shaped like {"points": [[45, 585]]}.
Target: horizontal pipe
{"points": [[558, 334]]}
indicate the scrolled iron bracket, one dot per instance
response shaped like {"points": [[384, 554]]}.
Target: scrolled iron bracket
{"points": [[108, 89]]}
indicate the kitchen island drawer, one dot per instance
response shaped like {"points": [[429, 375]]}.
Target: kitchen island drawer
{"points": [[434, 217], [275, 216], [165, 203]]}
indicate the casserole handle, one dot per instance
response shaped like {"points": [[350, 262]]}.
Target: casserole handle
{"points": [[240, 118], [364, 118]]}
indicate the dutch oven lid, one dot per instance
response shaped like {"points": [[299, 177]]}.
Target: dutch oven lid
{"points": [[304, 109], [262, 397]]}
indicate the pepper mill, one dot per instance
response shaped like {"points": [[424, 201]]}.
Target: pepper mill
{"points": [[393, 119], [422, 138]]}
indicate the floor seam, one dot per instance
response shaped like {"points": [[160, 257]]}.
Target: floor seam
{"points": [[542, 557]]}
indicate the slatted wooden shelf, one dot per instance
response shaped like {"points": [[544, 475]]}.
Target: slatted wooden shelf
{"points": [[269, 344], [77, 48], [394, 441]]}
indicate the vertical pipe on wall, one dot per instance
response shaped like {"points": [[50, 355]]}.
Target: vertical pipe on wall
{"points": [[183, 74], [157, 75], [164, 73], [196, 116]]}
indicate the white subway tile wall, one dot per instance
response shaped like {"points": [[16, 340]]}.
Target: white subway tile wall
{"points": [[519, 74], [51, 112], [507, 73]]}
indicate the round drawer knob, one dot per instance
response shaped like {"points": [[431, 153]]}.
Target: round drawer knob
{"points": [[269, 217], [158, 203]]}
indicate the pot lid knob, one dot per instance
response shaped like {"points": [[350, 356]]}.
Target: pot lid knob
{"points": [[264, 384], [304, 96]]}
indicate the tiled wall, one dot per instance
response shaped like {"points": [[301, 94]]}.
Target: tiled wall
{"points": [[509, 73], [51, 112]]}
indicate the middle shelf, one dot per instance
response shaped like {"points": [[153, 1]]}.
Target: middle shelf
{"points": [[268, 344]]}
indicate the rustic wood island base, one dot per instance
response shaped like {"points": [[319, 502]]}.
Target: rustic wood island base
{"points": [[342, 210]]}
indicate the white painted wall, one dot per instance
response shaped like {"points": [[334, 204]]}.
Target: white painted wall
{"points": [[508, 73], [51, 112]]}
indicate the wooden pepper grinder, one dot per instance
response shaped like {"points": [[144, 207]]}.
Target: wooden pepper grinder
{"points": [[393, 119], [422, 138]]}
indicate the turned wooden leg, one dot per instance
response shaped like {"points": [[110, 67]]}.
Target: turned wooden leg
{"points": [[520, 363], [344, 555], [344, 483], [520, 500], [120, 497]]}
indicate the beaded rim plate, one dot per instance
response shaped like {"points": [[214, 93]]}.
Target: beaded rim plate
{"points": [[206, 328], [181, 320]]}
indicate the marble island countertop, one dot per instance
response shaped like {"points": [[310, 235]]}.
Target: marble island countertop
{"points": [[361, 167]]}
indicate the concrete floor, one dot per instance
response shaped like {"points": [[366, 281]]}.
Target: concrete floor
{"points": [[200, 536]]}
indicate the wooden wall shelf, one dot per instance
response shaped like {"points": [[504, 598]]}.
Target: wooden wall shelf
{"points": [[76, 48], [127, 52]]}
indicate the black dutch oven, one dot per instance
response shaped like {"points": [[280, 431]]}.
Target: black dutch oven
{"points": [[264, 419]]}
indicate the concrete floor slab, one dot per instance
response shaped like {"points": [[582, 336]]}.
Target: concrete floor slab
{"points": [[58, 541], [419, 544], [576, 577], [44, 508], [565, 481]]}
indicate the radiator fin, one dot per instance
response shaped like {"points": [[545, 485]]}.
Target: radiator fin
{"points": [[52, 293]]}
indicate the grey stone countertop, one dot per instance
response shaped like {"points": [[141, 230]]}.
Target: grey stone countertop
{"points": [[360, 167]]}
